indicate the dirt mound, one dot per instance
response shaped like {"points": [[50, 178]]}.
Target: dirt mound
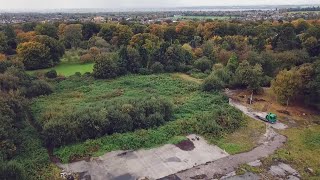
{"points": [[186, 145]]}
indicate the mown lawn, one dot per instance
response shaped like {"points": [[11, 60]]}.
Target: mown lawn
{"points": [[67, 69], [79, 93]]}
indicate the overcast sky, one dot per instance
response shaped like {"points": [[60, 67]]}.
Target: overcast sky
{"points": [[57, 4]]}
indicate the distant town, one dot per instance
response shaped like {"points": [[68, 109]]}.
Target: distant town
{"points": [[150, 16]]}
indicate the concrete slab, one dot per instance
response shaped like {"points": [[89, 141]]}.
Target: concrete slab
{"points": [[255, 163], [153, 163], [284, 170], [246, 176]]}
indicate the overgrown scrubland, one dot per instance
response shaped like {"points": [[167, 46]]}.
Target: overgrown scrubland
{"points": [[145, 111]]}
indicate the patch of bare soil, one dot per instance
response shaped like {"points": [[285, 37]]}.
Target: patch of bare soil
{"points": [[79, 158], [186, 145]]}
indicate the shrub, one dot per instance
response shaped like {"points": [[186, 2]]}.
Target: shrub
{"points": [[39, 88], [212, 83], [8, 82], [94, 122], [203, 64], [51, 74], [106, 66], [11, 170], [157, 67], [144, 71], [86, 58]]}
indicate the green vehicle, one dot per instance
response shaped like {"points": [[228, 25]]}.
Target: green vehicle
{"points": [[270, 117]]}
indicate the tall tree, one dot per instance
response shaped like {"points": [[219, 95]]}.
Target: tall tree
{"points": [[47, 29], [56, 49], [249, 76], [3, 43], [286, 85], [71, 35], [34, 55]]}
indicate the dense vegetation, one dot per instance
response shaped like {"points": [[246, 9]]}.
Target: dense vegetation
{"points": [[227, 52], [124, 101], [22, 155], [87, 115]]}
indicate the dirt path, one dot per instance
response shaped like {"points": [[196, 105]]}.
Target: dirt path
{"points": [[270, 142]]}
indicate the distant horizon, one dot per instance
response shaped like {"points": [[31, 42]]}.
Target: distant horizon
{"points": [[145, 5], [143, 9]]}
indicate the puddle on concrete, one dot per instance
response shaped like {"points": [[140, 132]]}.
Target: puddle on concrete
{"points": [[186, 145]]}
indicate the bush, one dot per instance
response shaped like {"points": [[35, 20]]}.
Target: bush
{"points": [[86, 58], [11, 170], [203, 64], [212, 83], [106, 67], [51, 74], [8, 82], [144, 71], [39, 88], [95, 122], [157, 67]]}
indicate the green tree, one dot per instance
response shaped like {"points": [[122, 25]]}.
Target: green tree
{"points": [[130, 60], [34, 55], [170, 34], [138, 28], [116, 34], [47, 29], [3, 43], [312, 92], [106, 66], [56, 49], [90, 29], [212, 83], [11, 36], [72, 35], [312, 45], [249, 76], [286, 39], [233, 63], [286, 85], [203, 64]]}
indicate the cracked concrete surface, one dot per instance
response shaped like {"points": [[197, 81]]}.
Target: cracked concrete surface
{"points": [[153, 163]]}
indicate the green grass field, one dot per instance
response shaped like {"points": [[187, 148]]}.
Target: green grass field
{"points": [[67, 69]]}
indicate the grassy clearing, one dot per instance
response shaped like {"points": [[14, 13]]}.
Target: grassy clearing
{"points": [[67, 69], [188, 78], [301, 151], [78, 93], [244, 139]]}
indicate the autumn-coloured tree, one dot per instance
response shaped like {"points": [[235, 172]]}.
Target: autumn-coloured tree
{"points": [[26, 36], [56, 48], [34, 55], [116, 34], [157, 30]]}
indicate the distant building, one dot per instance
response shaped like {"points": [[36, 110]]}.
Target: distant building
{"points": [[99, 19]]}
